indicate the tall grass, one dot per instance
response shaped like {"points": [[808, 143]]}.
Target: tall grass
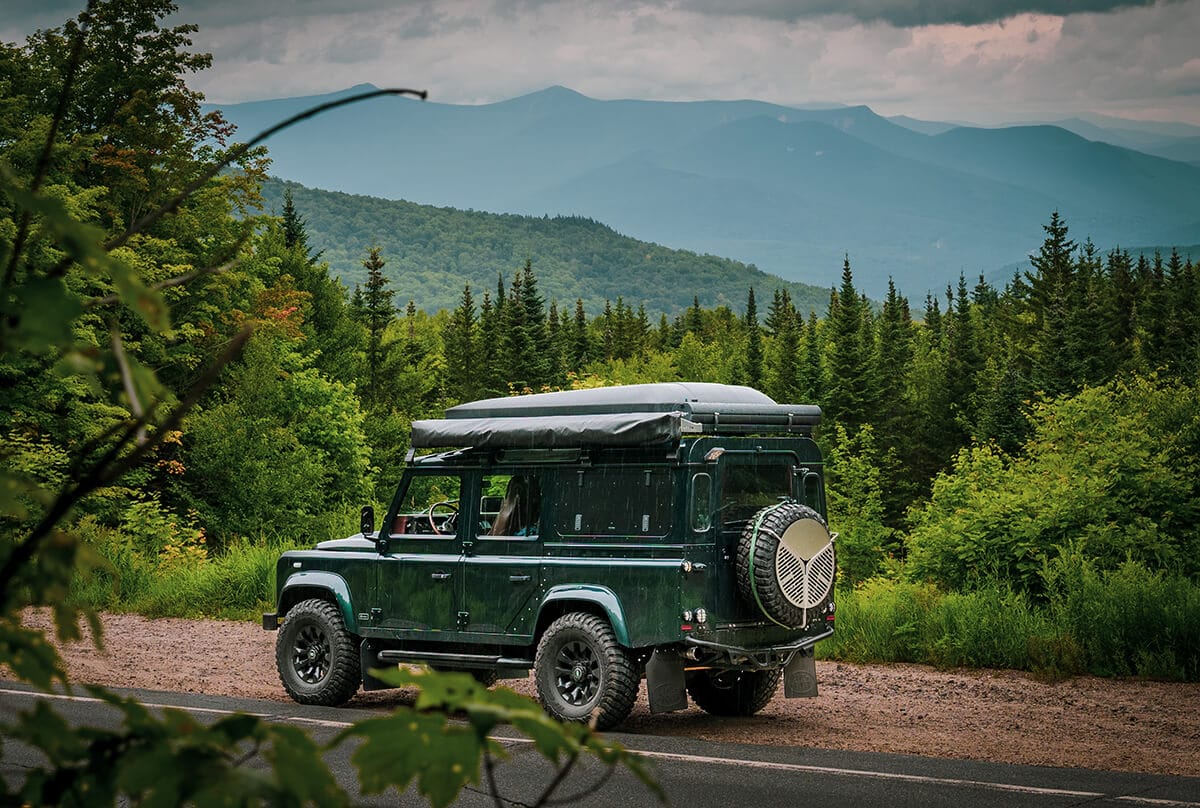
{"points": [[1124, 622], [158, 568]]}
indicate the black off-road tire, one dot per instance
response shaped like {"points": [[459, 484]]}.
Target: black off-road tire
{"points": [[316, 655], [758, 549], [733, 693], [581, 670], [487, 678]]}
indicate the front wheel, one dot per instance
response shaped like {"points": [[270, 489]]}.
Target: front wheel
{"points": [[316, 655], [733, 693], [581, 670]]}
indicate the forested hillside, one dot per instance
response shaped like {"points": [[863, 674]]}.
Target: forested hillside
{"points": [[1012, 467], [791, 190], [431, 252]]}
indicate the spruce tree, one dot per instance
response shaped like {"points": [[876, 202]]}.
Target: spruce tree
{"points": [[491, 374], [1051, 286], [295, 233], [754, 345], [580, 342], [463, 382], [783, 376], [848, 395], [1120, 305], [378, 311]]}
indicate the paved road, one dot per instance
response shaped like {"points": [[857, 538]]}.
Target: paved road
{"points": [[697, 773]]}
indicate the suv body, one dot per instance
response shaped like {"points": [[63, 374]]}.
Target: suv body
{"points": [[671, 531]]}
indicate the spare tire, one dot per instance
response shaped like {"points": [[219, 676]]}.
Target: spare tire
{"points": [[786, 564]]}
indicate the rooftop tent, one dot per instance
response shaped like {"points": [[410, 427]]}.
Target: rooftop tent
{"points": [[630, 415]]}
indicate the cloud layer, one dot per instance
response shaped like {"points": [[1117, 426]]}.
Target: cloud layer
{"points": [[945, 59]]}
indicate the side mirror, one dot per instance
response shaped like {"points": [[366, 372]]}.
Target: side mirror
{"points": [[366, 520]]}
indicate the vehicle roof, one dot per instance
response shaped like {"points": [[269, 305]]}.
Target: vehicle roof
{"points": [[628, 415]]}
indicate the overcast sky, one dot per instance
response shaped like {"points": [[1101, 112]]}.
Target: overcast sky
{"points": [[961, 60]]}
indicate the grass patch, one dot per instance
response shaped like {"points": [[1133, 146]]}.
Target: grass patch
{"points": [[1124, 622]]}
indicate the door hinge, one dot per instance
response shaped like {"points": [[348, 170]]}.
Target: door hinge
{"points": [[376, 613], [464, 619]]}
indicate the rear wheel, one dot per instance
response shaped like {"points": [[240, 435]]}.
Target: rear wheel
{"points": [[733, 693], [316, 655], [581, 670]]}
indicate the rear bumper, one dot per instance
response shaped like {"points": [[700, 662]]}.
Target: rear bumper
{"points": [[763, 657]]}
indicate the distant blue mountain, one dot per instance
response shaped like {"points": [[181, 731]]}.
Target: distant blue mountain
{"points": [[790, 190]]}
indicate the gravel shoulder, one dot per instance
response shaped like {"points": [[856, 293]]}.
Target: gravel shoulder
{"points": [[1002, 716]]}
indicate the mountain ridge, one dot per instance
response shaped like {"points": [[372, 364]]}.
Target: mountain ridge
{"points": [[920, 208]]}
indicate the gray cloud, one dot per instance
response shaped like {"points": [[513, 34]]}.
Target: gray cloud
{"points": [[907, 13], [1136, 59]]}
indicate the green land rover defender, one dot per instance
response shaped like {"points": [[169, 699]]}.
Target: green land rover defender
{"points": [[674, 532]]}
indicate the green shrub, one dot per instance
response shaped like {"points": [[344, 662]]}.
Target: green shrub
{"points": [[1112, 470]]}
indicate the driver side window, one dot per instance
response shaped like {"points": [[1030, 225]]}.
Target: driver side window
{"points": [[429, 508]]}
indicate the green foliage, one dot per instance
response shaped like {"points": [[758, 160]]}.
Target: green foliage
{"points": [[1112, 469], [856, 507], [284, 448], [426, 747], [170, 760]]}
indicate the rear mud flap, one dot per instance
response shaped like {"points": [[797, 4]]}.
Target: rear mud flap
{"points": [[800, 675], [665, 686], [368, 660]]}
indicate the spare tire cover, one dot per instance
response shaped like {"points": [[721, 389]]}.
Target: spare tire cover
{"points": [[785, 563]]}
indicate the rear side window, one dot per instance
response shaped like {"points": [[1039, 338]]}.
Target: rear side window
{"points": [[615, 502]]}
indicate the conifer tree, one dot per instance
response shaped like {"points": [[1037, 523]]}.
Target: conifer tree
{"points": [[933, 319], [580, 342], [848, 395], [812, 380], [754, 345], [893, 353], [556, 341], [1051, 286], [491, 374], [1120, 306], [463, 382], [783, 376], [295, 233], [963, 361], [378, 311]]}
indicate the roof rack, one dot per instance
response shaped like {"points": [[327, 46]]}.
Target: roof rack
{"points": [[624, 416]]}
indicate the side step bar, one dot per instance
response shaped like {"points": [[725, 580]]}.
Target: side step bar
{"points": [[506, 667]]}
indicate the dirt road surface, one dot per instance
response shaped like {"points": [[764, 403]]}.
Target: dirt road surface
{"points": [[1002, 716]]}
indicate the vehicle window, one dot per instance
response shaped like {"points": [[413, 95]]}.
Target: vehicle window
{"points": [[701, 502], [429, 507], [510, 505], [750, 484], [615, 502]]}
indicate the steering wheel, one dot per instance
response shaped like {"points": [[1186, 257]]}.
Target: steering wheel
{"points": [[448, 521]]}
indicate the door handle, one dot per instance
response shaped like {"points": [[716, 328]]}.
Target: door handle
{"points": [[520, 579], [440, 576]]}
